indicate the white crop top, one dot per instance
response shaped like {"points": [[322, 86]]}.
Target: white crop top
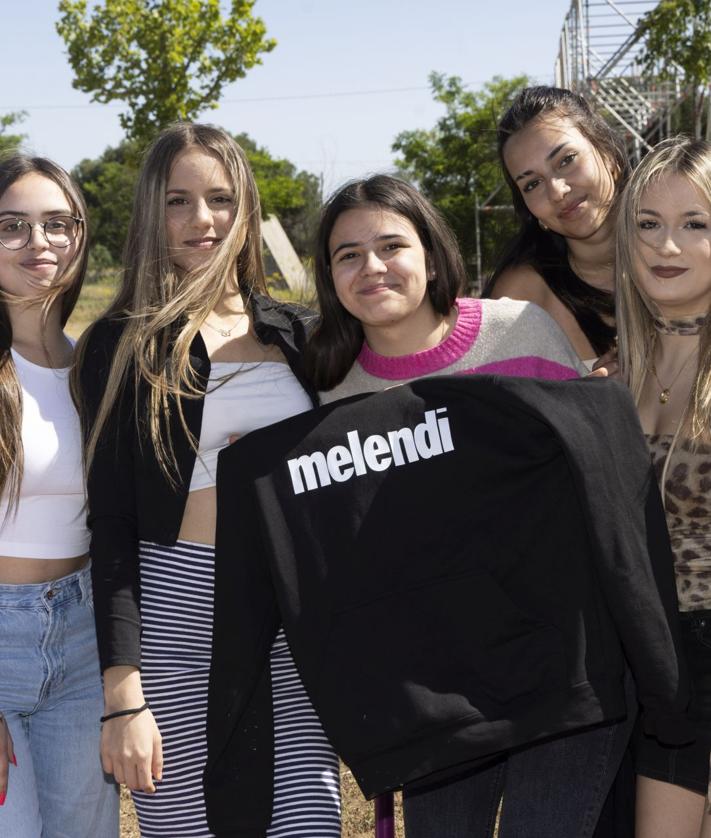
{"points": [[258, 394], [50, 522]]}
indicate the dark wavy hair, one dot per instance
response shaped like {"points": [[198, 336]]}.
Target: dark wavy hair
{"points": [[545, 251], [336, 342]]}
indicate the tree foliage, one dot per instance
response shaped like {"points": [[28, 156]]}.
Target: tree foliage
{"points": [[10, 142], [165, 59], [455, 164], [677, 35], [108, 183], [294, 196]]}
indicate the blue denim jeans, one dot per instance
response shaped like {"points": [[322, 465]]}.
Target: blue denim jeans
{"points": [[50, 694], [555, 788]]}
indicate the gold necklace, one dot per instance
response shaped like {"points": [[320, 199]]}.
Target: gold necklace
{"points": [[665, 393], [224, 332]]}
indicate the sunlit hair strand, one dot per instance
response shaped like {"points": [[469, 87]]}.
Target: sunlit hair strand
{"points": [[164, 307]]}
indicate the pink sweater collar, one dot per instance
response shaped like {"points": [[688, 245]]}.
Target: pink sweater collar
{"points": [[457, 344]]}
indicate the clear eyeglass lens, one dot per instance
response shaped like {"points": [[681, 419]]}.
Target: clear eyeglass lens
{"points": [[59, 231], [14, 233]]}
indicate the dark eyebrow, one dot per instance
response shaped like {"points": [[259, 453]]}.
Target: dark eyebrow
{"points": [[209, 191], [549, 156], [48, 214], [378, 239]]}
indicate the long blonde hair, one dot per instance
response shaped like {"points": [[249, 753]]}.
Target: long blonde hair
{"points": [[67, 287], [164, 308], [637, 336]]}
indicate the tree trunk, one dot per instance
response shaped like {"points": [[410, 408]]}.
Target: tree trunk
{"points": [[698, 100]]}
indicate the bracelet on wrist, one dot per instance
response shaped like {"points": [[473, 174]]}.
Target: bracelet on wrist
{"points": [[130, 712]]}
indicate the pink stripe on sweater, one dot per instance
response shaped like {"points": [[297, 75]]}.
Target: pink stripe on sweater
{"points": [[526, 366], [428, 361]]}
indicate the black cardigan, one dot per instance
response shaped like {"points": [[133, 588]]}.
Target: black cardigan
{"points": [[461, 565], [129, 497]]}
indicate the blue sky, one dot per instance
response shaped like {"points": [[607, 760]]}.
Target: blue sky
{"points": [[339, 47]]}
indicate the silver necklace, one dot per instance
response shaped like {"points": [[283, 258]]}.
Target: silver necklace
{"points": [[226, 333]]}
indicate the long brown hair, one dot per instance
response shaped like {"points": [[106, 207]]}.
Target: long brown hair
{"points": [[636, 312], [163, 308], [337, 340], [545, 251], [65, 290]]}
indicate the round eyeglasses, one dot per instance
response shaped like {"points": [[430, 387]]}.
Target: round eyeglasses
{"points": [[60, 231]]}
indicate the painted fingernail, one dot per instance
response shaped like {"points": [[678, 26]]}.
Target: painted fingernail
{"points": [[2, 797], [14, 760]]}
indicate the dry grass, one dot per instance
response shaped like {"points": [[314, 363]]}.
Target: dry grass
{"points": [[358, 820], [93, 300], [129, 823]]}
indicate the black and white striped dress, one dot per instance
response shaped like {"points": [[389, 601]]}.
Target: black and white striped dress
{"points": [[176, 611]]}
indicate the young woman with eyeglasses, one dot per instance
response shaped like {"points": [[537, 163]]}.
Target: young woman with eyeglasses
{"points": [[190, 354], [51, 782]]}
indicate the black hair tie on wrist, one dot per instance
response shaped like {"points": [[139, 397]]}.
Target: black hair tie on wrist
{"points": [[131, 712]]}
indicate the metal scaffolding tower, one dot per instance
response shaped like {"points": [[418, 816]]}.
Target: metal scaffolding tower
{"points": [[599, 57]]}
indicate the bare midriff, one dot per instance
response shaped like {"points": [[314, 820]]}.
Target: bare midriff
{"points": [[17, 570], [200, 517]]}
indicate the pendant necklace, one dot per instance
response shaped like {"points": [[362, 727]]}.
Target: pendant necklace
{"points": [[665, 392], [224, 332]]}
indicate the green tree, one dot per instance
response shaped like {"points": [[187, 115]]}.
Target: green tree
{"points": [[677, 35], [165, 59], [294, 196], [455, 164], [9, 142], [108, 182]]}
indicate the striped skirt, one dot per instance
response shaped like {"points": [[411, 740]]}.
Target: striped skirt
{"points": [[176, 613]]}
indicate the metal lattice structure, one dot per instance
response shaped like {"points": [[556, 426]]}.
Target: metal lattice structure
{"points": [[599, 56]]}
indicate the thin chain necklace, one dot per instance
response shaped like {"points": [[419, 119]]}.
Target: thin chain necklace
{"points": [[224, 332], [665, 392]]}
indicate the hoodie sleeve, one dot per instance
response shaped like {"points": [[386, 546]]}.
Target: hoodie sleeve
{"points": [[610, 462], [240, 737]]}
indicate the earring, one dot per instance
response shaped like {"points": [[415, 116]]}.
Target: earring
{"points": [[432, 276], [542, 226]]}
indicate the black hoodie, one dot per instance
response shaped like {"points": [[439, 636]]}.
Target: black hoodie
{"points": [[461, 565]]}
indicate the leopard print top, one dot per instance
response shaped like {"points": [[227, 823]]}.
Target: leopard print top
{"points": [[688, 506]]}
